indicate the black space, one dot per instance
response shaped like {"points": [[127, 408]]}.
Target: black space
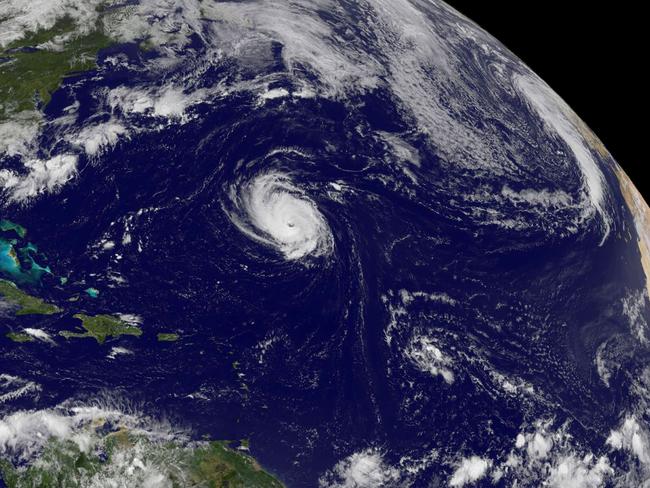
{"points": [[593, 54]]}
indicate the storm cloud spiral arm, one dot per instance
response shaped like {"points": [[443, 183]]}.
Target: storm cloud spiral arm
{"points": [[272, 210], [360, 239]]}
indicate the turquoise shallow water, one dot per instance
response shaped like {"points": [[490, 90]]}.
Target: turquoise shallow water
{"points": [[8, 260], [18, 259]]}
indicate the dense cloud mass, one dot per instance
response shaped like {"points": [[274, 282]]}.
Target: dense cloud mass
{"points": [[361, 237]]}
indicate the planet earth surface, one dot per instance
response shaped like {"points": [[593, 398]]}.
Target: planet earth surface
{"points": [[308, 243]]}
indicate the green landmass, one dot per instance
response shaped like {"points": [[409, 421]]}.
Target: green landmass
{"points": [[168, 337], [19, 337], [101, 327], [29, 74], [8, 225], [216, 465], [27, 304], [119, 457]]}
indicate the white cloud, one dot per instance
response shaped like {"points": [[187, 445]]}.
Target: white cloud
{"points": [[18, 135], [400, 149], [572, 472], [274, 93], [634, 306], [157, 456], [408, 297], [167, 24], [274, 211], [631, 437], [93, 139], [170, 102], [364, 469], [543, 456], [306, 39], [557, 116], [469, 470], [20, 17], [544, 198], [130, 318], [42, 176], [25, 432], [602, 361], [428, 357], [117, 351], [13, 387], [39, 334], [539, 445]]}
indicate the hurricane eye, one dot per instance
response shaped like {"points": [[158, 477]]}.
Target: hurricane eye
{"points": [[274, 211]]}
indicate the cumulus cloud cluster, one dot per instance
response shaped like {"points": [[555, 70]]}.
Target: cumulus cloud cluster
{"points": [[427, 357], [95, 138], [19, 17], [540, 455], [25, 435], [633, 438], [469, 470], [364, 469], [544, 456], [40, 176]]}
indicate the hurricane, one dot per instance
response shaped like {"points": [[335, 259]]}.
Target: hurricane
{"points": [[272, 210], [333, 243]]}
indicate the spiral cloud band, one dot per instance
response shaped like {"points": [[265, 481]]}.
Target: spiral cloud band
{"points": [[272, 210]]}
